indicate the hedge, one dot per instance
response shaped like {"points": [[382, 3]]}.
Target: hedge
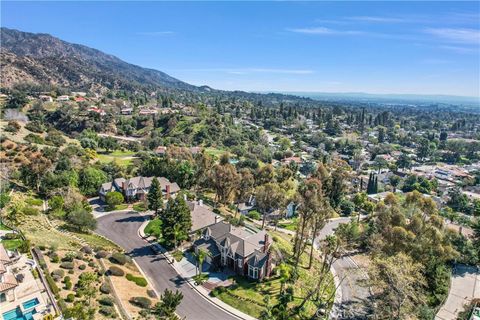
{"points": [[52, 284], [67, 265], [116, 271], [106, 301], [119, 258], [141, 302], [139, 281], [105, 288]]}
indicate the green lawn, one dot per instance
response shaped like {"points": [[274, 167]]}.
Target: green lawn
{"points": [[215, 152], [139, 207], [247, 295], [120, 157], [12, 244], [122, 206], [154, 228], [288, 224], [3, 227]]}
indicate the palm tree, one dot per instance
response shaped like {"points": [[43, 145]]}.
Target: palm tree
{"points": [[200, 256], [177, 233], [285, 275]]}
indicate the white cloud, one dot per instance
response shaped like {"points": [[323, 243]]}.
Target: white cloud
{"points": [[459, 49], [325, 31], [460, 35], [378, 19]]}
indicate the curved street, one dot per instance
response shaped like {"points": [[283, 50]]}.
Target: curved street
{"points": [[122, 228]]}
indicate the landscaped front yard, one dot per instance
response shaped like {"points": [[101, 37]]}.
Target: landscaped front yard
{"points": [[248, 296]]}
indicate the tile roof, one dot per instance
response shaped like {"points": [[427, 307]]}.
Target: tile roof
{"points": [[9, 282]]}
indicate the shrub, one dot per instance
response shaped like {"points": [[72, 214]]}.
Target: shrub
{"points": [[217, 291], [58, 272], [12, 126], [254, 214], [52, 284], [70, 297], [11, 236], [106, 301], [82, 267], [91, 264], [35, 126], [67, 265], [151, 293], [101, 254], [62, 305], [34, 202], [141, 302], [56, 278], [139, 281], [69, 257], [105, 288], [30, 211], [107, 311], [119, 258], [71, 272], [116, 271], [33, 138], [87, 250], [54, 257]]}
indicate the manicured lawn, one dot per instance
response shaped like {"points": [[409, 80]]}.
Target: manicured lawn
{"points": [[288, 224], [122, 158], [139, 207], [215, 152], [154, 228], [12, 244], [247, 295], [122, 206], [3, 227]]}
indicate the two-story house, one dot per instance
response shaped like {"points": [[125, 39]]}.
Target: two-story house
{"points": [[236, 248], [137, 188]]}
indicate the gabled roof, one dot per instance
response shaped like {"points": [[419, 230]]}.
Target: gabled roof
{"points": [[239, 240], [258, 259], [202, 216], [9, 282], [4, 258]]}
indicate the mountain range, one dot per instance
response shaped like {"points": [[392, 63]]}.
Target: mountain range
{"points": [[43, 59]]}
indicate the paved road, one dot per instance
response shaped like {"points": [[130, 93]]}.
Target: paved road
{"points": [[465, 285], [122, 228], [354, 292]]}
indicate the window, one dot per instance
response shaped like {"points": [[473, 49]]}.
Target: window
{"points": [[253, 272], [240, 263], [3, 297]]}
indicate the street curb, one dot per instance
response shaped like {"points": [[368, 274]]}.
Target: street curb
{"points": [[217, 303]]}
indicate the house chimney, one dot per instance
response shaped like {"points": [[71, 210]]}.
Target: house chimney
{"points": [[167, 191], [124, 185], [216, 218], [266, 243]]}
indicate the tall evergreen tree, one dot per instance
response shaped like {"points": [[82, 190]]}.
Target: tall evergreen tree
{"points": [[155, 197], [176, 221]]}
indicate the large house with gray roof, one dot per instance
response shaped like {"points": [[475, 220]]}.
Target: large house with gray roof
{"points": [[237, 248], [137, 188]]}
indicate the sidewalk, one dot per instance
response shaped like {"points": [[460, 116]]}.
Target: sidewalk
{"points": [[465, 285], [186, 273]]}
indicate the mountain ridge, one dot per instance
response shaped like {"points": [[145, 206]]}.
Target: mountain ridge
{"points": [[44, 59]]}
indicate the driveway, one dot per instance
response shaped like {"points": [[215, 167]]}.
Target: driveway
{"points": [[122, 228], [465, 285], [354, 292]]}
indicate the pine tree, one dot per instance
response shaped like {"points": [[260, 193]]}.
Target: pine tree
{"points": [[176, 221], [155, 197]]}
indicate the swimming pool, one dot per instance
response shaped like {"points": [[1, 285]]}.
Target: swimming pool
{"points": [[30, 303], [17, 314]]}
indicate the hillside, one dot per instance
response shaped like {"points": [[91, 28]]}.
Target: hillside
{"points": [[38, 58], [44, 59]]}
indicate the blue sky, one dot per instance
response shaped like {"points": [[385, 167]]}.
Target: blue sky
{"points": [[377, 47]]}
